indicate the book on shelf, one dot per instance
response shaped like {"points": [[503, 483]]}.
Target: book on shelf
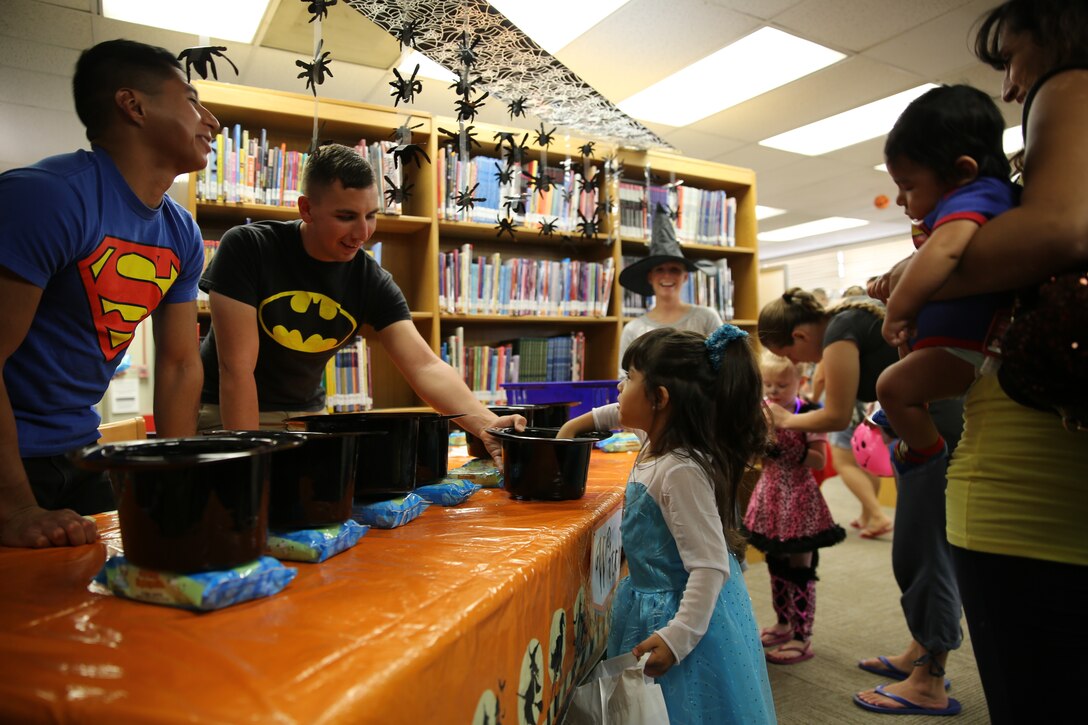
{"points": [[348, 378], [490, 285], [485, 368], [243, 167], [703, 216], [501, 190]]}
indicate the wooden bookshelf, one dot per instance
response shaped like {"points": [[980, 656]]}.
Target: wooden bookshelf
{"points": [[411, 242]]}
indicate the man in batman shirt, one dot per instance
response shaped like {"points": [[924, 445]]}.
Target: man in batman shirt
{"points": [[90, 245], [286, 295]]}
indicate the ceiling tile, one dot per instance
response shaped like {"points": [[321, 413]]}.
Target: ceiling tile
{"points": [[845, 85], [671, 35], [857, 26], [765, 9], [700, 145], [347, 34], [934, 46]]}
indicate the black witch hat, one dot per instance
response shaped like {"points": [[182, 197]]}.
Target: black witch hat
{"points": [[663, 248]]}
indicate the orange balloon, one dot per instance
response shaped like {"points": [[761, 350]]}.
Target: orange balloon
{"points": [[881, 201]]}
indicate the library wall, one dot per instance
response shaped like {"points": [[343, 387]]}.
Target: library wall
{"points": [[838, 268]]}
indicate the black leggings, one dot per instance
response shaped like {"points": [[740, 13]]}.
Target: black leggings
{"points": [[1030, 643]]}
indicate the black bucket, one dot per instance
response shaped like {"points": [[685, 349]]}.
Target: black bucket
{"points": [[189, 504]]}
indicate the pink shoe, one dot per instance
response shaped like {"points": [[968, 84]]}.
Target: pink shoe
{"points": [[776, 656]]}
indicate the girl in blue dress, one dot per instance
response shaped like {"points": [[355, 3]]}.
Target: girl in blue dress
{"points": [[696, 404]]}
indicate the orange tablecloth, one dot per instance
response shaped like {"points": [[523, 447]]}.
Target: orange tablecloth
{"points": [[464, 615]]}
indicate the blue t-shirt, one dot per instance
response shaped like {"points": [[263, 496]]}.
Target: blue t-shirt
{"points": [[963, 322], [71, 225]]}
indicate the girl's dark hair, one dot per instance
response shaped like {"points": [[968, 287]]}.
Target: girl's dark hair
{"points": [[1059, 27], [780, 317], [336, 162], [716, 416], [946, 123], [109, 66]]}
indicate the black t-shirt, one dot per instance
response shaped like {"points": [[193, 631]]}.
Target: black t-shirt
{"points": [[863, 329], [306, 309]]}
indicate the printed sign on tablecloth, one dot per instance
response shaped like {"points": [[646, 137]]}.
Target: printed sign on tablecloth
{"points": [[605, 558]]}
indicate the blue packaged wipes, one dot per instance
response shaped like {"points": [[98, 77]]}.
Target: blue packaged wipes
{"points": [[448, 491], [389, 514], [620, 442], [315, 545], [202, 591]]}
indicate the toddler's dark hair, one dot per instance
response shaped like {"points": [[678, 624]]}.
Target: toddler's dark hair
{"points": [[946, 123]]}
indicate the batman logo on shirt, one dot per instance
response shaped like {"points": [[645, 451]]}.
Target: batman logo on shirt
{"points": [[125, 282], [305, 321]]}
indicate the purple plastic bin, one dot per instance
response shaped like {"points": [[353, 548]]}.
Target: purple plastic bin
{"points": [[590, 394]]}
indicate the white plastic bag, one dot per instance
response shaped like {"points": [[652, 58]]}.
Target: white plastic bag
{"points": [[618, 692]]}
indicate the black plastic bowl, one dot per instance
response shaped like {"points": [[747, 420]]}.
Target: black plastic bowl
{"points": [[537, 465], [189, 504], [414, 451], [538, 415], [313, 485]]}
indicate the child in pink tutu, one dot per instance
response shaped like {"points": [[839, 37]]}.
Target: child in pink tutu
{"points": [[788, 519]]}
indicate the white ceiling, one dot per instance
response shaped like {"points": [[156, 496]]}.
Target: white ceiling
{"points": [[891, 46]]}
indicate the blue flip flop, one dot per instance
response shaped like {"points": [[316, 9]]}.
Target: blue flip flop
{"points": [[909, 708], [890, 670]]}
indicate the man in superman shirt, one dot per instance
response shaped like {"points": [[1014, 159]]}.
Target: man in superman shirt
{"points": [[90, 245]]}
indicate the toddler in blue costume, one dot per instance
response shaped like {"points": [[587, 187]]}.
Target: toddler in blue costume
{"points": [[946, 157], [696, 403]]}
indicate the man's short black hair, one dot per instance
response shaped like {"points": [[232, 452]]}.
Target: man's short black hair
{"points": [[336, 162], [113, 64]]}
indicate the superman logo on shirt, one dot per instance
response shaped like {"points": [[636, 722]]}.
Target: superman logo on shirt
{"points": [[125, 282]]}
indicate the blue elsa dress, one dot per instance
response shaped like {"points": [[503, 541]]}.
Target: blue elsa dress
{"points": [[724, 679]]}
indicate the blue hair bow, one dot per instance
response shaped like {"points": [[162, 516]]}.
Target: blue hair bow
{"points": [[719, 340]]}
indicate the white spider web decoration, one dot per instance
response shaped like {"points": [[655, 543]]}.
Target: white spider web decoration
{"points": [[510, 64]]}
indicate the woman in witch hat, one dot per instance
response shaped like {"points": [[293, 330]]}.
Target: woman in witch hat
{"points": [[663, 274]]}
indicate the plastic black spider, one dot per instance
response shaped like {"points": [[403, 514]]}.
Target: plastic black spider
{"points": [[466, 86], [403, 134], [506, 225], [614, 165], [318, 8], [591, 184], [465, 199], [514, 204], [568, 196], [467, 110], [542, 182], [406, 33], [516, 107], [588, 227], [504, 137], [516, 152], [315, 72], [547, 228], [203, 58], [587, 148], [405, 90], [545, 138], [470, 136], [604, 208], [409, 152], [504, 175], [395, 195], [467, 51]]}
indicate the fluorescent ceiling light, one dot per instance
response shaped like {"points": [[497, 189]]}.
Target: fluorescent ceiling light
{"points": [[427, 68], [811, 229], [883, 168], [1012, 140], [556, 23], [847, 128], [766, 212], [718, 82], [235, 20]]}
